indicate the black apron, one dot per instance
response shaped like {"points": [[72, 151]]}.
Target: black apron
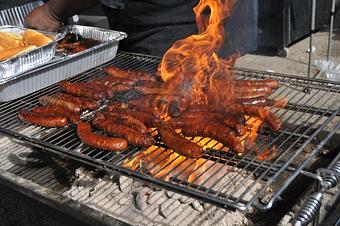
{"points": [[154, 25]]}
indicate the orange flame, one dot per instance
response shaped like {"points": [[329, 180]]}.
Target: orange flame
{"points": [[191, 69], [191, 65], [165, 164]]}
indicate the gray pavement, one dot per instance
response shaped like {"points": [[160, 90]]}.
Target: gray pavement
{"points": [[296, 62]]}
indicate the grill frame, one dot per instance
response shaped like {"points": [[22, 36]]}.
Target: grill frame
{"points": [[150, 64]]}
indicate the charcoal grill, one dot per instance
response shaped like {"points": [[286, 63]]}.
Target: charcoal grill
{"points": [[309, 121]]}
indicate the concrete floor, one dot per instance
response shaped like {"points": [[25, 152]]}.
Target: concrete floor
{"points": [[295, 63]]}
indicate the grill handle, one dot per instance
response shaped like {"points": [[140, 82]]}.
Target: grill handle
{"points": [[309, 210], [330, 179]]}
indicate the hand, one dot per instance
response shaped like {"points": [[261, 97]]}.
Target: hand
{"points": [[43, 19]]}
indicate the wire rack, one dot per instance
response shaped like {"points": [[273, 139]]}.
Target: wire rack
{"points": [[220, 177]]}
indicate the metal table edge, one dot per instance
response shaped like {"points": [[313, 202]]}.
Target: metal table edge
{"points": [[56, 201]]}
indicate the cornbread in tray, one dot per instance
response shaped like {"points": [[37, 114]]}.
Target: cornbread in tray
{"points": [[64, 66], [12, 45], [22, 49]]}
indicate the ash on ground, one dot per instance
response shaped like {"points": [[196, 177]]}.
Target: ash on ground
{"points": [[139, 203]]}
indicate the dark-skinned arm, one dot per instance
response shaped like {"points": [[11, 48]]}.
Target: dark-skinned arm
{"points": [[48, 17]]}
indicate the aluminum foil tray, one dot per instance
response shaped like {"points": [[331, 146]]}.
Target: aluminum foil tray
{"points": [[28, 60], [16, 16], [64, 66]]}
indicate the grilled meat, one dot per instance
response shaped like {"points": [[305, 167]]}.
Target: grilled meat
{"points": [[150, 120], [179, 144], [81, 91], [110, 126], [94, 140], [43, 120], [130, 74], [81, 102], [124, 119], [214, 130], [55, 101], [47, 111]]}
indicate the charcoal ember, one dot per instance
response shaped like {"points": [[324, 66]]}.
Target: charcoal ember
{"points": [[154, 187], [139, 201], [30, 159], [84, 186], [141, 186], [124, 201], [125, 184], [80, 172], [266, 197], [186, 200], [197, 206], [157, 224], [171, 208], [206, 205], [153, 213], [84, 179], [114, 191], [143, 189], [156, 198], [173, 195], [138, 184]]}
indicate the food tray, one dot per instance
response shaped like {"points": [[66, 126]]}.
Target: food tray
{"points": [[64, 66], [16, 16], [28, 60]]}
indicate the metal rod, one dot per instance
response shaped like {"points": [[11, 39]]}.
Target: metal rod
{"points": [[312, 30], [331, 24]]}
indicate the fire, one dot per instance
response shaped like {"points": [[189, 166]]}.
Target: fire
{"points": [[253, 125], [191, 69], [191, 65], [165, 164]]}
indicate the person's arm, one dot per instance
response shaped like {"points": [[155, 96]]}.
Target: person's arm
{"points": [[48, 17]]}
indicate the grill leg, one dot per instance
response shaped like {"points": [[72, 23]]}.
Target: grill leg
{"points": [[312, 30], [331, 24]]}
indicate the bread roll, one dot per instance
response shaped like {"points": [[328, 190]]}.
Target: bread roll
{"points": [[12, 52], [9, 40], [31, 37]]}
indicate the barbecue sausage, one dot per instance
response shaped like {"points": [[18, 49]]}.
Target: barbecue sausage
{"points": [[216, 131], [131, 74], [133, 136], [227, 119], [99, 88], [81, 91], [258, 101], [110, 81], [125, 119], [72, 117], [133, 105], [55, 101], [42, 120], [121, 88], [179, 144], [94, 140], [82, 102], [150, 120], [247, 94], [264, 114], [274, 84]]}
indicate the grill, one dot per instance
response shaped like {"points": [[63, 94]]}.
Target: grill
{"points": [[224, 179]]}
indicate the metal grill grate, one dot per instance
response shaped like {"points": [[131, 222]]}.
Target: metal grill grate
{"points": [[221, 178]]}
